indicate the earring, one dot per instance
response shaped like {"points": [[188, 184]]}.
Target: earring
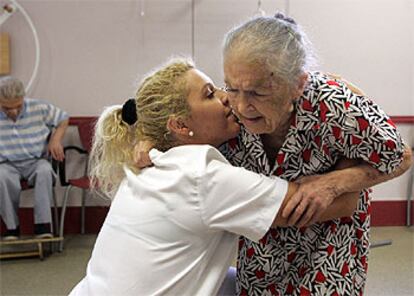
{"points": [[191, 133], [293, 105]]}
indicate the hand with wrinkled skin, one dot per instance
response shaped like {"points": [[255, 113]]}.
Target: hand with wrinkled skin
{"points": [[315, 194], [355, 89], [55, 149]]}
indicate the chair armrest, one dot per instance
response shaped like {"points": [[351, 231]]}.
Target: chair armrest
{"points": [[62, 164], [55, 164]]}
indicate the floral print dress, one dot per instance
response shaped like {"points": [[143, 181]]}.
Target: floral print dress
{"points": [[330, 258]]}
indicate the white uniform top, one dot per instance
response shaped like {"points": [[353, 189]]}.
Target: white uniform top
{"points": [[173, 228]]}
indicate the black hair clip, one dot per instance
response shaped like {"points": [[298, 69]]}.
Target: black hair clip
{"points": [[129, 112]]}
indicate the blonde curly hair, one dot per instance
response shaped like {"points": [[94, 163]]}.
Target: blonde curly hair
{"points": [[161, 94]]}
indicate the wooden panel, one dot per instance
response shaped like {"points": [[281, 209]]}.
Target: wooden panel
{"points": [[384, 213], [4, 54], [403, 119], [34, 241]]}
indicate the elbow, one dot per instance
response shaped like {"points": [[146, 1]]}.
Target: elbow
{"points": [[407, 160], [409, 156], [351, 205]]}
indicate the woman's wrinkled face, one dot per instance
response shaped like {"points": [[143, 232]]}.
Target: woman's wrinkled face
{"points": [[211, 118], [261, 103]]}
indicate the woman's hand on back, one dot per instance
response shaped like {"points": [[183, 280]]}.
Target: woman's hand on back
{"points": [[141, 154], [355, 89]]}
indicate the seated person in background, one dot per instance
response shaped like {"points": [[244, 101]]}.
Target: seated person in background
{"points": [[25, 126], [172, 228]]}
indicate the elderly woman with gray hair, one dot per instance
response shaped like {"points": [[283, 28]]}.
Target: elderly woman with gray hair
{"points": [[298, 123]]}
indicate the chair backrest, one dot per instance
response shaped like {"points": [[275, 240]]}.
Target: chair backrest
{"points": [[86, 129]]}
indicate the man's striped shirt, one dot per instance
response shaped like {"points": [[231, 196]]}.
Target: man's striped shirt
{"points": [[26, 138]]}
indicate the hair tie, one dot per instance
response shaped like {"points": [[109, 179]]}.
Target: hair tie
{"points": [[129, 112], [288, 22], [285, 18]]}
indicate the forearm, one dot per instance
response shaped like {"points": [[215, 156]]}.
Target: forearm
{"points": [[279, 220], [60, 131], [356, 178], [343, 206]]}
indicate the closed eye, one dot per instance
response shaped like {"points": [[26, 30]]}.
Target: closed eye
{"points": [[253, 93], [211, 94], [229, 89]]}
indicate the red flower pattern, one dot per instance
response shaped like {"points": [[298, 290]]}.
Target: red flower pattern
{"points": [[338, 247]]}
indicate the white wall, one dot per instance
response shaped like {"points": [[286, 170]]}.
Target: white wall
{"points": [[92, 51], [369, 41]]}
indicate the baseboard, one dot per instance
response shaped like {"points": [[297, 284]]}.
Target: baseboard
{"points": [[384, 213], [390, 213], [95, 217]]}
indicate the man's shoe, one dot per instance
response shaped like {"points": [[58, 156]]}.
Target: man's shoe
{"points": [[42, 230], [11, 234]]}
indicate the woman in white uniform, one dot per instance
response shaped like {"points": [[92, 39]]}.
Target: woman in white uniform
{"points": [[172, 228]]}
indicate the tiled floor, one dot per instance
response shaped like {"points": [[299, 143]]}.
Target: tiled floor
{"points": [[391, 268]]}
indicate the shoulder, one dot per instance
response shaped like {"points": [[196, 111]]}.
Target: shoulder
{"points": [[36, 104], [188, 157], [324, 95], [322, 87]]}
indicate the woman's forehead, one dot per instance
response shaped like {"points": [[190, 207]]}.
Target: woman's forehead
{"points": [[197, 79], [248, 78]]}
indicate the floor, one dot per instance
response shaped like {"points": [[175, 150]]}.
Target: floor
{"points": [[391, 268]]}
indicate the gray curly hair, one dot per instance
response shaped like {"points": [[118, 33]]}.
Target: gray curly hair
{"points": [[11, 88], [276, 42]]}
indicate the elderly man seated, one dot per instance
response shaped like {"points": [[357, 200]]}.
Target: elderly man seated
{"points": [[26, 136]]}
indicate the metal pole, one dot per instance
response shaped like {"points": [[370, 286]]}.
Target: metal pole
{"points": [[287, 7], [192, 29], [410, 195]]}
